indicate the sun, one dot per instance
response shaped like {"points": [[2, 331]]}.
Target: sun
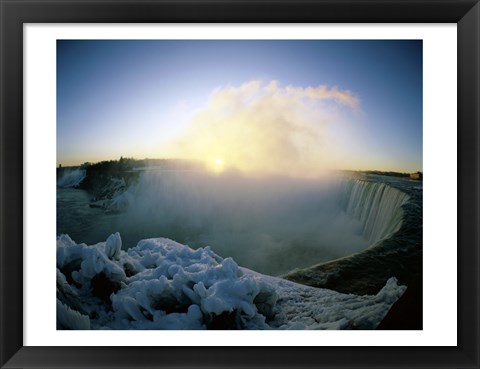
{"points": [[218, 165]]}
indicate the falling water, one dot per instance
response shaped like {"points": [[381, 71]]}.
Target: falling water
{"points": [[376, 205]]}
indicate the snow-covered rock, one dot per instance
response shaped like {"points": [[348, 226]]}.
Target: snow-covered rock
{"points": [[113, 246], [68, 318], [161, 284], [71, 178]]}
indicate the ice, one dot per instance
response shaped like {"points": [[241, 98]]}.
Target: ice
{"points": [[71, 178], [70, 319], [120, 202], [113, 246], [161, 284]]}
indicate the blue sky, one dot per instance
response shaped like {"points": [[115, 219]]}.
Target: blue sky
{"points": [[155, 98]]}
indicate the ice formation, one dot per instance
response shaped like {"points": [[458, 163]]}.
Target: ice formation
{"points": [[161, 284], [71, 178], [114, 196]]}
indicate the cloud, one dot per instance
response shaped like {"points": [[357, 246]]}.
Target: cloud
{"points": [[324, 93], [265, 128]]}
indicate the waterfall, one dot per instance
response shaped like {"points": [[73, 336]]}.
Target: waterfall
{"points": [[71, 177], [376, 205]]}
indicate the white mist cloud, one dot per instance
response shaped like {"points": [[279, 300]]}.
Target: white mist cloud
{"points": [[269, 224], [266, 128]]}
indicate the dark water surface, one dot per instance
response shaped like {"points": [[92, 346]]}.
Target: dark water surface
{"points": [[82, 223]]}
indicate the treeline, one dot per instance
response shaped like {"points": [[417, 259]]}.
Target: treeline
{"points": [[416, 175], [99, 174]]}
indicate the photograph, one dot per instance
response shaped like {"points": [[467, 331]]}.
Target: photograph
{"points": [[239, 184]]}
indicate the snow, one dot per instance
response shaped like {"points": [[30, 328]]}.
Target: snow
{"points": [[71, 178], [161, 284], [68, 318], [120, 202], [113, 246]]}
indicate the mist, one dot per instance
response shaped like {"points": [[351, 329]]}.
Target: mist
{"points": [[70, 177], [271, 224], [267, 128]]}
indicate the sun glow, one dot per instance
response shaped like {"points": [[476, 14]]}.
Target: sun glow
{"points": [[265, 128], [218, 165]]}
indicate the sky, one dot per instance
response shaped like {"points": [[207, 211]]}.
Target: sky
{"points": [[296, 106]]}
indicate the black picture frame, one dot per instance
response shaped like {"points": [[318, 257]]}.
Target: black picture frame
{"points": [[14, 13]]}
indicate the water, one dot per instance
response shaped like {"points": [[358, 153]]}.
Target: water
{"points": [[82, 223], [377, 206], [271, 225], [398, 254]]}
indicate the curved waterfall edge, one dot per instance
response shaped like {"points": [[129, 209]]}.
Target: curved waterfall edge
{"points": [[397, 252], [376, 205]]}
